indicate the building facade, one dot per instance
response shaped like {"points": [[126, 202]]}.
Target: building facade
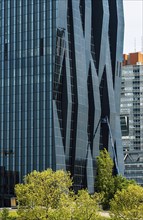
{"points": [[132, 115], [60, 75]]}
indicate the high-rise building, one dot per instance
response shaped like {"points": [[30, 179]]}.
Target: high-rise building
{"points": [[132, 115], [60, 65]]}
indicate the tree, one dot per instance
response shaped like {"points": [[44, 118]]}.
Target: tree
{"points": [[107, 183], [7, 215], [86, 206], [105, 180], [127, 204], [121, 182], [41, 193], [64, 210], [4, 214], [47, 196], [80, 207]]}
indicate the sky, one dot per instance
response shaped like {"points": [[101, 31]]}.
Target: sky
{"points": [[133, 32]]}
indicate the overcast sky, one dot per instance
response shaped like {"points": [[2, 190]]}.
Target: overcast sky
{"points": [[133, 16]]}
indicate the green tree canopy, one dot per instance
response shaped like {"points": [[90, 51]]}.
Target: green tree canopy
{"points": [[127, 204], [105, 180], [47, 196], [107, 183], [80, 207], [41, 192], [86, 206], [122, 183]]}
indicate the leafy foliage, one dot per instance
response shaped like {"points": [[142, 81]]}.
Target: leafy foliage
{"points": [[78, 207], [105, 180], [47, 195], [122, 183], [86, 206], [127, 204], [41, 192], [106, 183], [5, 214]]}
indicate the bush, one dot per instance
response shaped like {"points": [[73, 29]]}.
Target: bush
{"points": [[106, 183], [48, 195], [4, 214], [8, 215], [127, 204]]}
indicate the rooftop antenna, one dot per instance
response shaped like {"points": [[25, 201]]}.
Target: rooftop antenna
{"points": [[134, 44]]}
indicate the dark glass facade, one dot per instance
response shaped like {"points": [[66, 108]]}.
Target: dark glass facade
{"points": [[60, 64]]}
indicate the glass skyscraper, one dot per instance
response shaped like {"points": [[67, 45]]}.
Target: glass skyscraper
{"points": [[60, 64]]}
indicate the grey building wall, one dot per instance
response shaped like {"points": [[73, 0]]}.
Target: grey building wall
{"points": [[59, 76], [132, 121]]}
